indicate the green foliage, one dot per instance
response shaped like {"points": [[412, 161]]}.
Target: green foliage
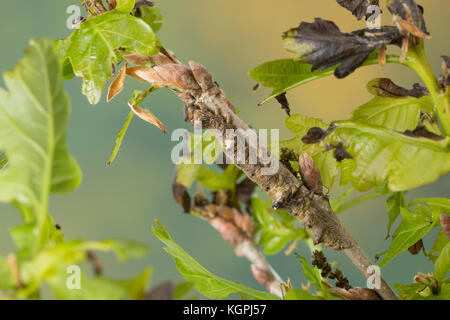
{"points": [[125, 5], [188, 173], [204, 281], [287, 74], [35, 112], [33, 125], [284, 75], [393, 204], [325, 161], [414, 226], [396, 113], [153, 17], [442, 264], [381, 154], [298, 294], [271, 233], [416, 291], [97, 44], [7, 281], [313, 275], [437, 204]]}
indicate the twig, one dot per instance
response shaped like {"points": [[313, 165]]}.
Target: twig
{"points": [[236, 228], [207, 103]]}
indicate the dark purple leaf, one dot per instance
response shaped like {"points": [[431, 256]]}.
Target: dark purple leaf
{"points": [[323, 45], [359, 8], [384, 87], [283, 101], [422, 132], [181, 195]]}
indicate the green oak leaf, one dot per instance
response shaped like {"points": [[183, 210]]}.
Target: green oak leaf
{"points": [[393, 204], [397, 113], [101, 288], [204, 281], [438, 204], [325, 161], [7, 281], [94, 46], [314, 276], [414, 226], [53, 261], [442, 264], [440, 242], [297, 294], [287, 74], [382, 154], [125, 5], [153, 17], [34, 114], [272, 234], [415, 291]]}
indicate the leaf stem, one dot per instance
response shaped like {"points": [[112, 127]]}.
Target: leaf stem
{"points": [[417, 60]]}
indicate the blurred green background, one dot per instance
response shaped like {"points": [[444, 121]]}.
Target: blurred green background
{"points": [[230, 38]]}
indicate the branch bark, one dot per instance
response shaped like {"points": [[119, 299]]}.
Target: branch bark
{"points": [[207, 104], [236, 228]]}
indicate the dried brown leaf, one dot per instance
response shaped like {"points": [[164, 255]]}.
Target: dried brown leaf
{"points": [[117, 85], [359, 8], [283, 101], [181, 194], [146, 115]]}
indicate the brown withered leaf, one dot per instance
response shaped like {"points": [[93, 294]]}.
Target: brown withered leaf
{"points": [[244, 191], [422, 132], [164, 291], [323, 45], [416, 247], [147, 75], [202, 75], [146, 115], [117, 85], [283, 101], [445, 223], [137, 59], [181, 194], [408, 17], [444, 81], [359, 8], [384, 87], [177, 75], [310, 173], [143, 3]]}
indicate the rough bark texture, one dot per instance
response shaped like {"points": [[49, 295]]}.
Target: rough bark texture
{"points": [[207, 104]]}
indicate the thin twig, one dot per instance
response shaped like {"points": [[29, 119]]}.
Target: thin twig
{"points": [[207, 104]]}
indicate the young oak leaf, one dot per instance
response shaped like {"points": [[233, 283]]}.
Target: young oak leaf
{"points": [[204, 281], [394, 107], [92, 48], [34, 115], [323, 45], [414, 226], [382, 154], [359, 8]]}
